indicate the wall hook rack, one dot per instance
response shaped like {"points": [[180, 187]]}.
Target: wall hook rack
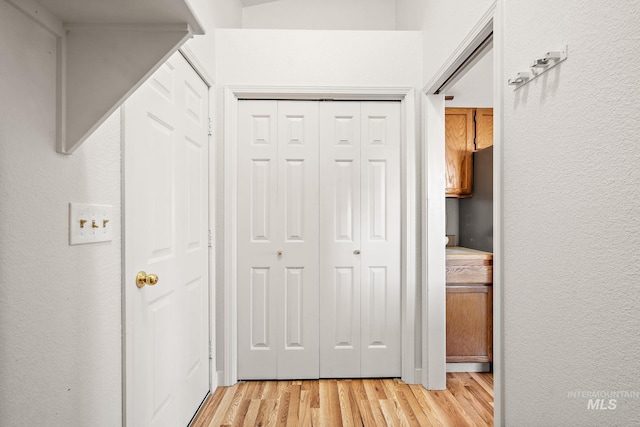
{"points": [[539, 67]]}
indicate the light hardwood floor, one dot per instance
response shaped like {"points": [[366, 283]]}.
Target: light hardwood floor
{"points": [[468, 401]]}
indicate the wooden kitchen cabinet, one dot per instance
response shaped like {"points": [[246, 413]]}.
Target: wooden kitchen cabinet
{"points": [[469, 306], [466, 130], [459, 136]]}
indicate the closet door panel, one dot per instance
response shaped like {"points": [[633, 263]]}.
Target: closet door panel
{"points": [[380, 247], [298, 309], [259, 270], [340, 239]]}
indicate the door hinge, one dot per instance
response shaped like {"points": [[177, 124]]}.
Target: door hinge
{"points": [[209, 239], [210, 131], [210, 350]]}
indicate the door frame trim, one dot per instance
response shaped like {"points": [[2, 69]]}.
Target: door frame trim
{"points": [[409, 226], [434, 299]]}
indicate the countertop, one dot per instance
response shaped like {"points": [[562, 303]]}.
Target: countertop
{"points": [[458, 252]]}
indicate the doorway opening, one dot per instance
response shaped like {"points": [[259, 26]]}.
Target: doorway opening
{"points": [[486, 33]]}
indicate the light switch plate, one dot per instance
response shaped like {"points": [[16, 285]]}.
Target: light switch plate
{"points": [[89, 223]]}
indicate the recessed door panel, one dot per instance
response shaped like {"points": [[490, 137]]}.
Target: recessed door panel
{"points": [[377, 170], [294, 199], [293, 325], [260, 288], [261, 196], [343, 303], [195, 199]]}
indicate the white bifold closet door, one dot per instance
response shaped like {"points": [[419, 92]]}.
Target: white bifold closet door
{"points": [[278, 240], [318, 239], [360, 239]]}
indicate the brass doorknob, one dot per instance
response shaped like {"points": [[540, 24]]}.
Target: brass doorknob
{"points": [[279, 253], [146, 279], [356, 252]]}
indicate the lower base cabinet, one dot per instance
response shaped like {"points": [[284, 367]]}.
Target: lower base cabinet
{"points": [[469, 281]]}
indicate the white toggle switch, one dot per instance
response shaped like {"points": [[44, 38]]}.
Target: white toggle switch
{"points": [[89, 223]]}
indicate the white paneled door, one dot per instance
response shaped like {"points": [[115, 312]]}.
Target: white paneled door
{"points": [[166, 234], [277, 240], [318, 239], [360, 239]]}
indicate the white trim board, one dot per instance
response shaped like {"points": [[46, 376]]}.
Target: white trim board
{"points": [[434, 323], [406, 96]]}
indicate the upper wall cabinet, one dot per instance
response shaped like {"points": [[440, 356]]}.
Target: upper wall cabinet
{"points": [[105, 51], [466, 130]]}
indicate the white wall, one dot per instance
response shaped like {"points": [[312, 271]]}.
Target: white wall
{"points": [[213, 14], [571, 213], [322, 15], [318, 58], [444, 24], [60, 323], [475, 87], [312, 58]]}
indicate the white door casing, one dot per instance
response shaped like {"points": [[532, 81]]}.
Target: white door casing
{"points": [[165, 168], [360, 233], [277, 240], [409, 214]]}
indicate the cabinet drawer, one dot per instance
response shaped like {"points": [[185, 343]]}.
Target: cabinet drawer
{"points": [[480, 274]]}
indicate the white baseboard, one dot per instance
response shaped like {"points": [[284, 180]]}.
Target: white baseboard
{"points": [[468, 367]]}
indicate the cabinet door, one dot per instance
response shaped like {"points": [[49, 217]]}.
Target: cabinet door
{"points": [[458, 151], [469, 323], [484, 128]]}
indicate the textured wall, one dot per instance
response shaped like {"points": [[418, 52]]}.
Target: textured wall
{"points": [[322, 15], [60, 325], [444, 24], [571, 213]]}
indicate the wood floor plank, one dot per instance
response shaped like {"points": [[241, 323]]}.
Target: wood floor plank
{"points": [[353, 401], [235, 404], [390, 412], [335, 413], [410, 407], [223, 407], [468, 401], [435, 415], [252, 413], [304, 408], [485, 380], [206, 412], [294, 405], [344, 400]]}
